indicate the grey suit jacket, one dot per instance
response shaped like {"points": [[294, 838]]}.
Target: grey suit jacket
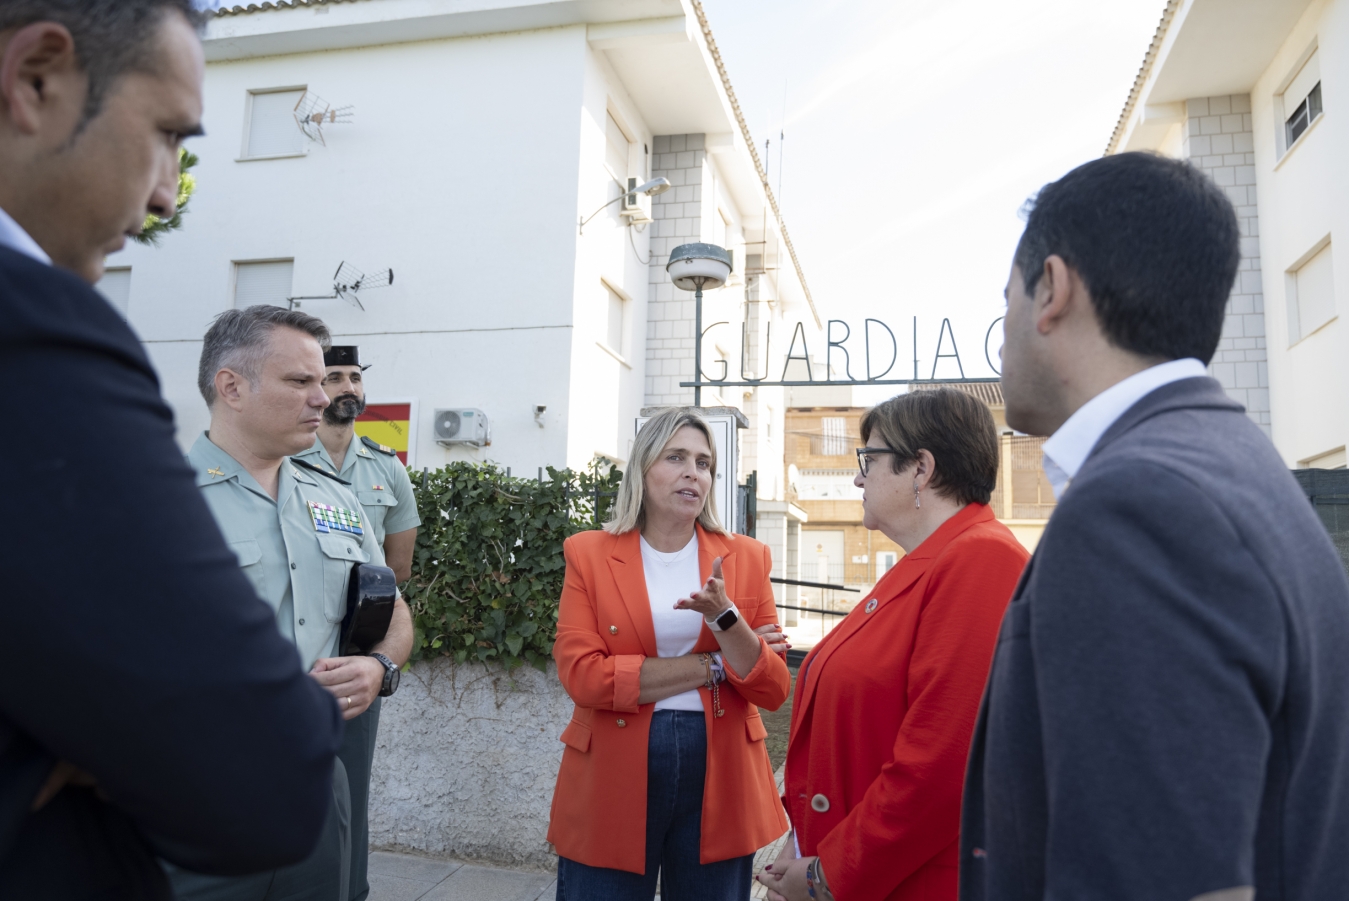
{"points": [[1167, 713]]}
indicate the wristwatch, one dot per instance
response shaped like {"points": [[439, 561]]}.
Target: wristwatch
{"points": [[390, 675], [724, 620]]}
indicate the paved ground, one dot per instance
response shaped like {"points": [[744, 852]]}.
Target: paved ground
{"points": [[403, 877], [406, 877]]}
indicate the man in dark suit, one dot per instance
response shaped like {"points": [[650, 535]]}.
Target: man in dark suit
{"points": [[150, 707], [1166, 713]]}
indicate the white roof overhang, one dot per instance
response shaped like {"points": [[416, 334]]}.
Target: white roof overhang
{"points": [[662, 50], [1202, 48]]}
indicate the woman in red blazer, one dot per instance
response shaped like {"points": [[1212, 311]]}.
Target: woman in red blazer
{"points": [[885, 704], [665, 768]]}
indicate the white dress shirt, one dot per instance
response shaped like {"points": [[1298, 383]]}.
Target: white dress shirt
{"points": [[670, 577], [14, 237], [1067, 449]]}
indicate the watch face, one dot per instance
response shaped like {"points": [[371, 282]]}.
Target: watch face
{"points": [[393, 675], [727, 619]]}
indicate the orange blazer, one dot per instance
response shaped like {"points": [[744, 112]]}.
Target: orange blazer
{"points": [[884, 710], [604, 632]]}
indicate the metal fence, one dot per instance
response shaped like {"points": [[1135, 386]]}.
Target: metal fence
{"points": [[1328, 490], [1020, 469]]}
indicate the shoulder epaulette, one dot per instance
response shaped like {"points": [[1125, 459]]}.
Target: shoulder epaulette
{"points": [[376, 446], [323, 472]]}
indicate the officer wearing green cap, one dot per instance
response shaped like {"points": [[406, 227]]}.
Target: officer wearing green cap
{"points": [[384, 490], [296, 531]]}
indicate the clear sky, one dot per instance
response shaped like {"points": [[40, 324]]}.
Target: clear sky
{"points": [[915, 130]]}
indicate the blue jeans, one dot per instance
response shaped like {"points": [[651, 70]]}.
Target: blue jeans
{"points": [[675, 770]]}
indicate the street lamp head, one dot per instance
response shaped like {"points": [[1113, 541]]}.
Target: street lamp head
{"points": [[698, 266], [653, 187]]}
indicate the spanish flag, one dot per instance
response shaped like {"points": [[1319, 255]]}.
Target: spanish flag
{"points": [[387, 424]]}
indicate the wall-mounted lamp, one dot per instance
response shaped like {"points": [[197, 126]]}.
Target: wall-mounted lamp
{"points": [[693, 267], [650, 189]]}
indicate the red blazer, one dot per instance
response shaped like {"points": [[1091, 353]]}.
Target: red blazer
{"points": [[884, 710], [604, 632]]}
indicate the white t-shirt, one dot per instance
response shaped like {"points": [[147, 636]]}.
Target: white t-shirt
{"points": [[670, 577]]}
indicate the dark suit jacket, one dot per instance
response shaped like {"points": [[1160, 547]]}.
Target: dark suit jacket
{"points": [[134, 646], [1168, 709]]}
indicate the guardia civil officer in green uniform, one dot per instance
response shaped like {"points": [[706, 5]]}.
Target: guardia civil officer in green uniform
{"points": [[296, 532], [382, 486], [378, 477]]}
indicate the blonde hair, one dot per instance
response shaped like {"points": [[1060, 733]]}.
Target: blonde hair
{"points": [[629, 508]]}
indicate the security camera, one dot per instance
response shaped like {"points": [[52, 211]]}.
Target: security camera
{"points": [[539, 410]]}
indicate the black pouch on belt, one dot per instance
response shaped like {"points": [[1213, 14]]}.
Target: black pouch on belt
{"points": [[371, 592]]}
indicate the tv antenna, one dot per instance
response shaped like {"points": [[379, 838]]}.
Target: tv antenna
{"points": [[348, 283], [312, 112]]}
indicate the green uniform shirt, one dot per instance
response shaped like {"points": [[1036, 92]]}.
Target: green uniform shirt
{"points": [[298, 565], [380, 481]]}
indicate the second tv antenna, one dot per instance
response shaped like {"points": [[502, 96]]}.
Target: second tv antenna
{"points": [[348, 282]]}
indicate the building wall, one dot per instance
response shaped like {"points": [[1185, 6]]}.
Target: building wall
{"points": [[1025, 509], [678, 215], [1304, 199], [606, 387], [472, 199], [1218, 138]]}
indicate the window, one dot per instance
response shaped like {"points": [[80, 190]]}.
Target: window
{"points": [[885, 561], [272, 130], [1335, 459], [115, 285], [617, 308], [1302, 101], [835, 432], [267, 282], [1311, 295], [616, 150]]}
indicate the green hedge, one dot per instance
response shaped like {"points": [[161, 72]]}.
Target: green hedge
{"points": [[488, 569]]}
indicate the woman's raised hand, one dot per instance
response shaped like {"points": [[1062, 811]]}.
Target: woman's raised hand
{"points": [[711, 598]]}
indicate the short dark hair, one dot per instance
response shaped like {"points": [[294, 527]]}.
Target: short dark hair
{"points": [[955, 427], [237, 338], [1154, 240], [112, 37]]}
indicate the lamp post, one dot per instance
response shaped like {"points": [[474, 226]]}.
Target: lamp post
{"points": [[650, 189], [693, 267]]}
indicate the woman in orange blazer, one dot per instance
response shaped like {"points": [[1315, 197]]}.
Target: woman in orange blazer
{"points": [[885, 704], [665, 768]]}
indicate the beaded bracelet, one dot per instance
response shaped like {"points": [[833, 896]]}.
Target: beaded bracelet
{"points": [[712, 685], [810, 878]]}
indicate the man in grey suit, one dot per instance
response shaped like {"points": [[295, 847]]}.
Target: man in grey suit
{"points": [[1167, 715]]}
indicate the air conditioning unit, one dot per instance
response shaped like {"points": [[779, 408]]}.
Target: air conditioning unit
{"points": [[636, 207], [463, 425]]}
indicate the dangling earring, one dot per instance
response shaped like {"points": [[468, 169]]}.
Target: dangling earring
{"points": [[917, 501]]}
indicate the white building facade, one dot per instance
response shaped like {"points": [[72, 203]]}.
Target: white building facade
{"points": [[1250, 91], [480, 134]]}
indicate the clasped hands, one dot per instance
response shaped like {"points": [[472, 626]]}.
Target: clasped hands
{"points": [[354, 681], [785, 878]]}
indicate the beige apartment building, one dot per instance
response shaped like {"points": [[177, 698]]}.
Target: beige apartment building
{"points": [[836, 549]]}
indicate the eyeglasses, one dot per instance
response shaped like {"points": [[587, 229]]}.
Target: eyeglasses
{"points": [[864, 453]]}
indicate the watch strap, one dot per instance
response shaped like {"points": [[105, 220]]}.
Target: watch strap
{"points": [[390, 668]]}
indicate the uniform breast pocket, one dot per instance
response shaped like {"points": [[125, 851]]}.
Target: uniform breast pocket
{"points": [[340, 554], [249, 554], [380, 499]]}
